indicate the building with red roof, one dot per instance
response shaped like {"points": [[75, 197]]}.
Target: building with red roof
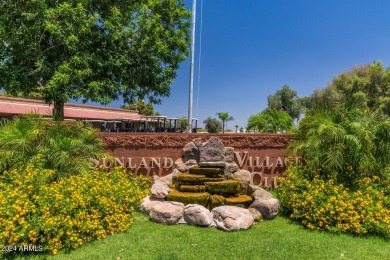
{"points": [[105, 118], [10, 107]]}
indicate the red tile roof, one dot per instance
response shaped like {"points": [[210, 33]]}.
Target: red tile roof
{"points": [[15, 106]]}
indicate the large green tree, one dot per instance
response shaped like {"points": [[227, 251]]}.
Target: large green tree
{"points": [[92, 49], [225, 117], [212, 125], [144, 108], [286, 100], [369, 82], [182, 123], [270, 121]]}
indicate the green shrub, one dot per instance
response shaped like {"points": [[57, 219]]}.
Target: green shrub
{"points": [[347, 142], [61, 146], [66, 213], [319, 203]]}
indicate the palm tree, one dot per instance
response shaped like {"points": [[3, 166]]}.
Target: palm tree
{"points": [[19, 141], [224, 116], [66, 148], [236, 128], [345, 140]]}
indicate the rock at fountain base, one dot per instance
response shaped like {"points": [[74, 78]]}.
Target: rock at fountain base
{"points": [[148, 203], [269, 208], [167, 212], [197, 215], [231, 218]]}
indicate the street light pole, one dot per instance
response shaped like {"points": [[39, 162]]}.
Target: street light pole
{"points": [[192, 67]]}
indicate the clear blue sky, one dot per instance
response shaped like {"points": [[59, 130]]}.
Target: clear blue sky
{"points": [[251, 48]]}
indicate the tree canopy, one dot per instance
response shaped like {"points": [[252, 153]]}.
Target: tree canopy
{"points": [[212, 125], [270, 121], [286, 100], [370, 82], [144, 108], [346, 130], [182, 123], [92, 49]]}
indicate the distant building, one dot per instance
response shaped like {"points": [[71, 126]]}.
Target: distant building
{"points": [[105, 118], [11, 107]]}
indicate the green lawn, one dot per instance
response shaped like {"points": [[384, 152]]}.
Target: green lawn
{"points": [[276, 239]]}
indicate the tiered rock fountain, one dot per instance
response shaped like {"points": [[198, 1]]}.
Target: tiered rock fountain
{"points": [[206, 178], [208, 187]]}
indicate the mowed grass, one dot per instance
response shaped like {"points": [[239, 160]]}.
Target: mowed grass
{"points": [[275, 239]]}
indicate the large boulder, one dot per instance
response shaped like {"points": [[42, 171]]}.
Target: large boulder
{"points": [[212, 151], [195, 214], [190, 152], [229, 154], [244, 178], [231, 218], [269, 208], [261, 194], [252, 188], [255, 214], [160, 190], [219, 164], [180, 165], [175, 173], [166, 179], [148, 203], [231, 167], [191, 163], [167, 212], [198, 142], [257, 192]]}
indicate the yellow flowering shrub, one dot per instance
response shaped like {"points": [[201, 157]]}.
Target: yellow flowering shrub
{"points": [[323, 204], [69, 212]]}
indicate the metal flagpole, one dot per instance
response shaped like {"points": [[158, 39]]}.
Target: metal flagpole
{"points": [[192, 67]]}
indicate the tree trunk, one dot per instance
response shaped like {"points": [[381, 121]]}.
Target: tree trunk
{"points": [[58, 110]]}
